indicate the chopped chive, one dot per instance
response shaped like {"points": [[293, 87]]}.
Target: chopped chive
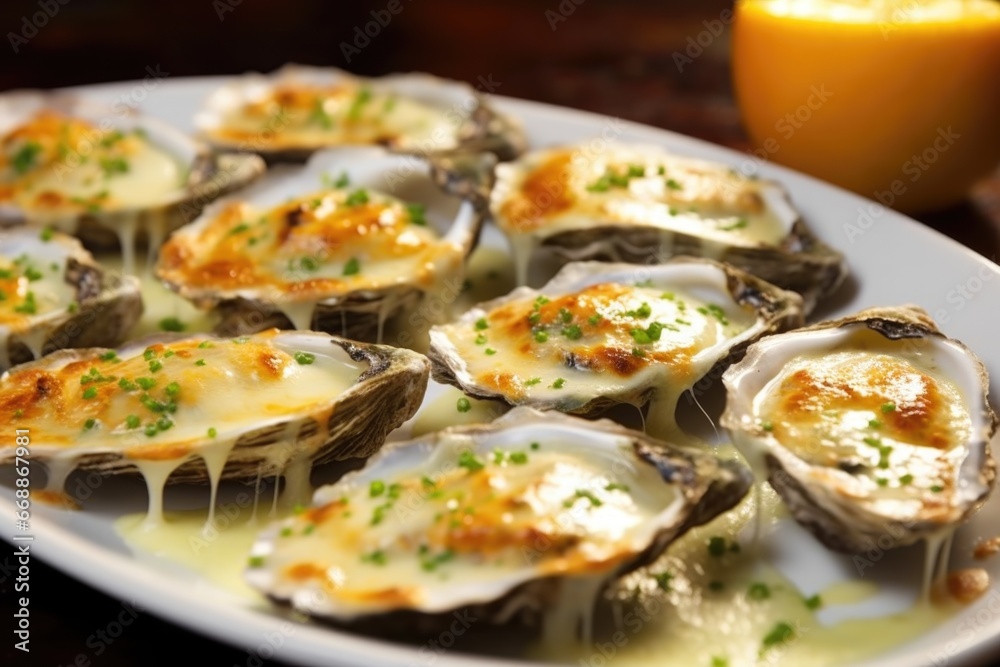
{"points": [[469, 461], [212, 432], [357, 198], [376, 557], [463, 405], [417, 214], [573, 332], [304, 358], [759, 591], [779, 634], [352, 267], [559, 383]]}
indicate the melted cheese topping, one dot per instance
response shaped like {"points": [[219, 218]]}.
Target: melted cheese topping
{"points": [[325, 244], [883, 417], [595, 341], [300, 116], [165, 402], [32, 282], [486, 519], [562, 189], [53, 163]]}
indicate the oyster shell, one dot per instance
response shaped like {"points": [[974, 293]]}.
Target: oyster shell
{"points": [[321, 247], [296, 110], [54, 295], [103, 174], [643, 204], [872, 425], [504, 519], [200, 408], [602, 334]]}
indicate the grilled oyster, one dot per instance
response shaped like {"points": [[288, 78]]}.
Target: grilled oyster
{"points": [[296, 110], [531, 511], [54, 295], [643, 204], [105, 175], [600, 334], [320, 247], [872, 425], [201, 408]]}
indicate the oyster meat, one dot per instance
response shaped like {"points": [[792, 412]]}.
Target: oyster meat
{"points": [[106, 176], [199, 408], [601, 334], [643, 204], [872, 425], [290, 113], [530, 511], [324, 246], [53, 295]]}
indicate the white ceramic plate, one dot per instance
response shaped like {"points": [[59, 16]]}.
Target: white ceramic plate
{"points": [[893, 260]]}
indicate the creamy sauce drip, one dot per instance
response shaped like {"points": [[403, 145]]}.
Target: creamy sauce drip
{"points": [[698, 603]]}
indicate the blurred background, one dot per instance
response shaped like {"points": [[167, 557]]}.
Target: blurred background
{"points": [[617, 58], [611, 57]]}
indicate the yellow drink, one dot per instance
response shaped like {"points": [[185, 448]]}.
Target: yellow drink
{"points": [[897, 100]]}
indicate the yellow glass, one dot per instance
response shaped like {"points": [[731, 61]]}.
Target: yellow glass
{"points": [[897, 100]]}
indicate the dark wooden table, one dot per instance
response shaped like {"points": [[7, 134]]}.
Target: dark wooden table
{"points": [[613, 58]]}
